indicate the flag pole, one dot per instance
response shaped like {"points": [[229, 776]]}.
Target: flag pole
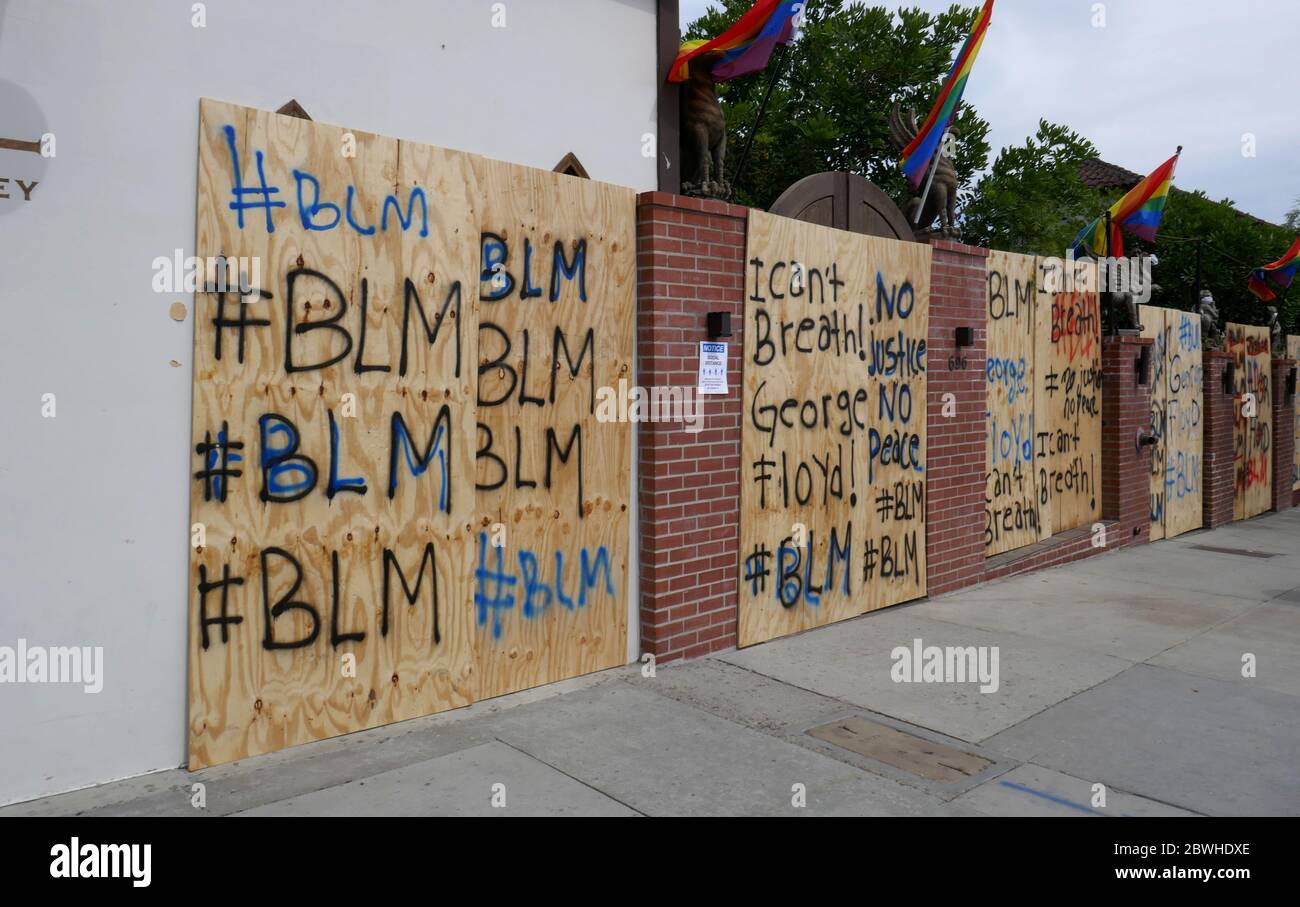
{"points": [[934, 166], [758, 118], [1196, 287]]}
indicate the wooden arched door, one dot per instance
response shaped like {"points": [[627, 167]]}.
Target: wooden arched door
{"points": [[846, 201]]}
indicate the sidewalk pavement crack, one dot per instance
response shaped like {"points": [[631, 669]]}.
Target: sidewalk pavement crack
{"points": [[570, 776]]}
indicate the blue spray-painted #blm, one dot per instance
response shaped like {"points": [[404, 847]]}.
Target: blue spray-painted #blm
{"points": [[495, 585], [313, 213], [289, 474]]}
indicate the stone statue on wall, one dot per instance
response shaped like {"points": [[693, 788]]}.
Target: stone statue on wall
{"points": [[704, 133], [1119, 312], [1119, 306], [941, 203], [1276, 333], [1211, 336]]}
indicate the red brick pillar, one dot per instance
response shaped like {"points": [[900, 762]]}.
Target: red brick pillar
{"points": [[1125, 463], [955, 470], [1283, 435], [690, 261], [1217, 422]]}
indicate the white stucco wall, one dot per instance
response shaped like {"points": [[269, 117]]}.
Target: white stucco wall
{"points": [[94, 503]]}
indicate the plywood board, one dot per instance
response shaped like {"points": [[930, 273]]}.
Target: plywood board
{"points": [[1184, 381], [333, 575], [1252, 430], [1176, 405], [549, 472], [1067, 404], [1011, 508], [1293, 352], [833, 443], [1154, 327]]}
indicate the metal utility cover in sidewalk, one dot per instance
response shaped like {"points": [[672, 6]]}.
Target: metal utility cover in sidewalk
{"points": [[1240, 552], [924, 758]]}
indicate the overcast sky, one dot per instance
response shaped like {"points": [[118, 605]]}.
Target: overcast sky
{"points": [[1160, 73]]}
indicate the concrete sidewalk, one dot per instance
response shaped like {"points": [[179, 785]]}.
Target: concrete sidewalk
{"points": [[1123, 670]]}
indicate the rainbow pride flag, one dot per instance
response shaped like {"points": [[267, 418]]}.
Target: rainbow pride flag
{"points": [[1281, 272], [921, 150], [1139, 210], [746, 46]]}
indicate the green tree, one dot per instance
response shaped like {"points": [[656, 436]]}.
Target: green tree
{"points": [[1292, 221], [1231, 243], [829, 109], [1032, 199]]}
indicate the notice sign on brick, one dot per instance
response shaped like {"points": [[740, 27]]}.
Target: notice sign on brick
{"points": [[833, 447], [402, 499]]}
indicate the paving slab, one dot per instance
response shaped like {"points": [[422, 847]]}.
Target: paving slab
{"points": [[1174, 566], [1211, 746], [247, 783], [851, 661], [1269, 632], [1099, 613], [743, 696], [662, 757], [1263, 532], [463, 783], [1031, 790]]}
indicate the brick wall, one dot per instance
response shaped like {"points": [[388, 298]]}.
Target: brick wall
{"points": [[1217, 421], [1125, 464], [1283, 435], [955, 473], [690, 261]]}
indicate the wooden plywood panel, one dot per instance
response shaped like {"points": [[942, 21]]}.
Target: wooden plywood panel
{"points": [[1252, 430], [1184, 380], [833, 442], [338, 580], [293, 424], [1011, 509], [1293, 352], [1176, 393], [556, 309], [1067, 404], [1154, 327]]}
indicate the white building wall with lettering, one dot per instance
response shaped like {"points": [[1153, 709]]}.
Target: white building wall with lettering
{"points": [[94, 512]]}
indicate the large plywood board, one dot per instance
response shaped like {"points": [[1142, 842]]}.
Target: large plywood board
{"points": [[1011, 505], [1154, 327], [1293, 352], [555, 327], [834, 426], [1253, 428], [336, 575], [1176, 406], [1067, 403], [1183, 389]]}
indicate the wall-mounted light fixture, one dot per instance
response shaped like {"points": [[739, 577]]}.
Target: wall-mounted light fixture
{"points": [[719, 325], [1142, 364], [1229, 377], [965, 337]]}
